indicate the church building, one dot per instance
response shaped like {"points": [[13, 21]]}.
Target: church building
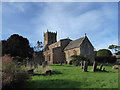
{"points": [[61, 51]]}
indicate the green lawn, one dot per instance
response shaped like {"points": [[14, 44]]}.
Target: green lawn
{"points": [[73, 77]]}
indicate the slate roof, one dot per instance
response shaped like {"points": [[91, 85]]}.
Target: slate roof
{"points": [[74, 43]]}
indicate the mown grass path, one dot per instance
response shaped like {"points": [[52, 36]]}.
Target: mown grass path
{"points": [[73, 77]]}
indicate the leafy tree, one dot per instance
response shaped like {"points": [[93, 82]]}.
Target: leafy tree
{"points": [[95, 53], [111, 47], [116, 48], [17, 46], [104, 53], [105, 56], [38, 47]]}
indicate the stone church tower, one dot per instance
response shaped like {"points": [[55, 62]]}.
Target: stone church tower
{"points": [[49, 38]]}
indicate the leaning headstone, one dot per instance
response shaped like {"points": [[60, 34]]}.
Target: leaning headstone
{"points": [[104, 69], [66, 62], [81, 64], [60, 62], [101, 65], [94, 66], [44, 64], [85, 67], [35, 65], [30, 64]]}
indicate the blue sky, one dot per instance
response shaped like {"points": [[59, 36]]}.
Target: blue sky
{"points": [[70, 19]]}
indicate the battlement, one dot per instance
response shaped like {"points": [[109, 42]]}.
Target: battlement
{"points": [[49, 32], [49, 38]]}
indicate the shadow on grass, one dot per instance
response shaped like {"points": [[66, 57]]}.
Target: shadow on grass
{"points": [[57, 65], [55, 83], [65, 65], [54, 72], [111, 72]]}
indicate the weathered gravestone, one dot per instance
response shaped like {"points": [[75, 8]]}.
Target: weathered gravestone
{"points": [[103, 70], [44, 64], [101, 65], [30, 63], [85, 67], [94, 66], [36, 65], [60, 62], [66, 62], [81, 64]]}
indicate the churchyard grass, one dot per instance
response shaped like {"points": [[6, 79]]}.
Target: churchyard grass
{"points": [[73, 77]]}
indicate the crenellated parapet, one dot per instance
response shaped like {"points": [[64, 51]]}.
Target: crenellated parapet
{"points": [[50, 32], [49, 38]]}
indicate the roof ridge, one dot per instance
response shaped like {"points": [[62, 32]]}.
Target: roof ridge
{"points": [[75, 43], [78, 38]]}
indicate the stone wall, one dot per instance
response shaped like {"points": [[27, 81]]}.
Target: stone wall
{"points": [[55, 53], [49, 56], [59, 56], [69, 53]]}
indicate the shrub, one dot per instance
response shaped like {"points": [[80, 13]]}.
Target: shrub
{"points": [[71, 62], [13, 75], [103, 59], [76, 60], [105, 56]]}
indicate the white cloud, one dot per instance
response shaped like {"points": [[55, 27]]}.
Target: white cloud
{"points": [[10, 8]]}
